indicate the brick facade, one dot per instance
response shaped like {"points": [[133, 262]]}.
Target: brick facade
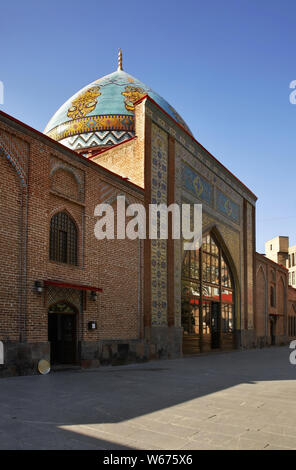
{"points": [[138, 309], [291, 314], [60, 180], [272, 302]]}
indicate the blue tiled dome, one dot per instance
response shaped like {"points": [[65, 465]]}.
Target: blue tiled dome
{"points": [[102, 113]]}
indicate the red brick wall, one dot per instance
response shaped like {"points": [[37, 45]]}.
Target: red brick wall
{"points": [[281, 305], [260, 314], [127, 159], [10, 251], [114, 266], [291, 313], [64, 182], [276, 276]]}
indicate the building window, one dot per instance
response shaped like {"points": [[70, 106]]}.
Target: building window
{"points": [[270, 247], [289, 261], [272, 296], [293, 278], [292, 325], [63, 239]]}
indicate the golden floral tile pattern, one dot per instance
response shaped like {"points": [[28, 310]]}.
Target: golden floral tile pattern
{"points": [[131, 95], [159, 175], [93, 123], [85, 103]]}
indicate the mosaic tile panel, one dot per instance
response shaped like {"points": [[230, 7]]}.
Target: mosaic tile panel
{"points": [[195, 154], [250, 260], [159, 175], [196, 184], [178, 244], [95, 139], [227, 207], [216, 183]]}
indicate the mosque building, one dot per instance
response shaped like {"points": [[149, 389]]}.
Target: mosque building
{"points": [[67, 297]]}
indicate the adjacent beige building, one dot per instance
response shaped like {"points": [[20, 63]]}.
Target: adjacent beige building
{"points": [[278, 250]]}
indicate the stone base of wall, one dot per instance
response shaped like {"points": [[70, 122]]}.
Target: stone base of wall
{"points": [[281, 340], [159, 343], [23, 358], [164, 342], [263, 341], [237, 339], [248, 339], [112, 352]]}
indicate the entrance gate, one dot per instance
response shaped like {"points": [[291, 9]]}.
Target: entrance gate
{"points": [[62, 333], [208, 299]]}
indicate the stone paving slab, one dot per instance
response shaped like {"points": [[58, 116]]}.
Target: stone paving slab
{"points": [[236, 400]]}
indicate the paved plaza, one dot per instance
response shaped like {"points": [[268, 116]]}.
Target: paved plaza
{"points": [[235, 400]]}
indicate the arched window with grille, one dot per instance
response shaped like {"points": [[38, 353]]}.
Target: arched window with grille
{"points": [[63, 239]]}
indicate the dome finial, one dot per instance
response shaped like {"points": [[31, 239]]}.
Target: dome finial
{"points": [[119, 60]]}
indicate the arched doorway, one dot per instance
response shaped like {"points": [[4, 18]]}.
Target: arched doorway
{"points": [[208, 299], [273, 321], [292, 322], [62, 333]]}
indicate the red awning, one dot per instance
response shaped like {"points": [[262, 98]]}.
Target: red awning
{"points": [[72, 286], [224, 298]]}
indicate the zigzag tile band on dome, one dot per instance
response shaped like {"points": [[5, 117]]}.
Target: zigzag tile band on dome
{"points": [[105, 105], [96, 139]]}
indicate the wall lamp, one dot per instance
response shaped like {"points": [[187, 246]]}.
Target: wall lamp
{"points": [[38, 287], [93, 295]]}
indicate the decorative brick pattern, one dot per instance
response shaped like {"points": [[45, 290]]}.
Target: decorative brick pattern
{"points": [[60, 294], [74, 184], [16, 151]]}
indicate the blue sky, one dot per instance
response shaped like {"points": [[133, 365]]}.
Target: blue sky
{"points": [[225, 66]]}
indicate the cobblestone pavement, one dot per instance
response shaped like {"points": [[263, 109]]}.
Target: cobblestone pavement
{"points": [[236, 400]]}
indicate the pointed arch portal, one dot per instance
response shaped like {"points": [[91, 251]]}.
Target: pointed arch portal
{"points": [[208, 298]]}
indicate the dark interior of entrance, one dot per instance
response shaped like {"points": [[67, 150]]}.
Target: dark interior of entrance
{"points": [[62, 334]]}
